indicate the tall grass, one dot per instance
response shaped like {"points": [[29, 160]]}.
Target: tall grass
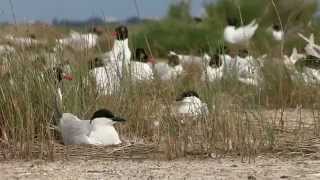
{"points": [[237, 122]]}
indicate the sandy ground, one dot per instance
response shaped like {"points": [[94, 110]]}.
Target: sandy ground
{"points": [[226, 168]]}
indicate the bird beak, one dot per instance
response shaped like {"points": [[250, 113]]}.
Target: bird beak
{"points": [[67, 77], [152, 60], [114, 34], [118, 119]]}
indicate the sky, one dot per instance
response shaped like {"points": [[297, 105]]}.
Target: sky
{"points": [[46, 10]]}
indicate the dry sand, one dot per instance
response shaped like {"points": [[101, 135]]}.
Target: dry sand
{"points": [[226, 168]]}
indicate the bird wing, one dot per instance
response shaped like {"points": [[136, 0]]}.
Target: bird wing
{"points": [[74, 34], [104, 135], [245, 32], [74, 130], [310, 41], [161, 69], [141, 71]]}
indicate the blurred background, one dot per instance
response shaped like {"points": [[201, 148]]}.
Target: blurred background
{"points": [[199, 23]]}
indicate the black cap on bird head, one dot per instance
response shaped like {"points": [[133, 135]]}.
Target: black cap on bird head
{"points": [[215, 61], [276, 27], [232, 21], [189, 93], [173, 60], [141, 55], [60, 74], [105, 113], [95, 63], [121, 32], [243, 53]]}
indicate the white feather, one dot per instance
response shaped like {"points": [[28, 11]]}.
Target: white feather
{"points": [[6, 49], [185, 59], [79, 41], [242, 34], [248, 70], [192, 106], [311, 48], [22, 41], [99, 132], [140, 71], [277, 35], [108, 78], [166, 72], [212, 74], [119, 52]]}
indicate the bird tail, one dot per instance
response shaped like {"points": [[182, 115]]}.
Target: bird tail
{"points": [[254, 25], [253, 22], [172, 53], [308, 40]]}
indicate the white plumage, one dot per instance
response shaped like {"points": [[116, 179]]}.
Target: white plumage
{"points": [[277, 35], [166, 72], [248, 70], [191, 59], [99, 131], [294, 57], [311, 48], [311, 76], [119, 52], [141, 66], [108, 78], [190, 105], [79, 41], [116, 61], [277, 32], [215, 71], [6, 49], [22, 41], [308, 74], [242, 34], [140, 71]]}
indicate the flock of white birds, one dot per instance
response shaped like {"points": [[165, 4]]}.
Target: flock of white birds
{"points": [[111, 67]]}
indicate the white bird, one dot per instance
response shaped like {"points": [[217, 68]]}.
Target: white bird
{"points": [[190, 105], [248, 69], [311, 76], [120, 50], [107, 78], [190, 59], [99, 130], [311, 48], [277, 33], [22, 41], [237, 35], [110, 72], [303, 66], [169, 71], [6, 49], [294, 57], [6, 53], [61, 75], [141, 66], [218, 66], [79, 41], [215, 70], [166, 72]]}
